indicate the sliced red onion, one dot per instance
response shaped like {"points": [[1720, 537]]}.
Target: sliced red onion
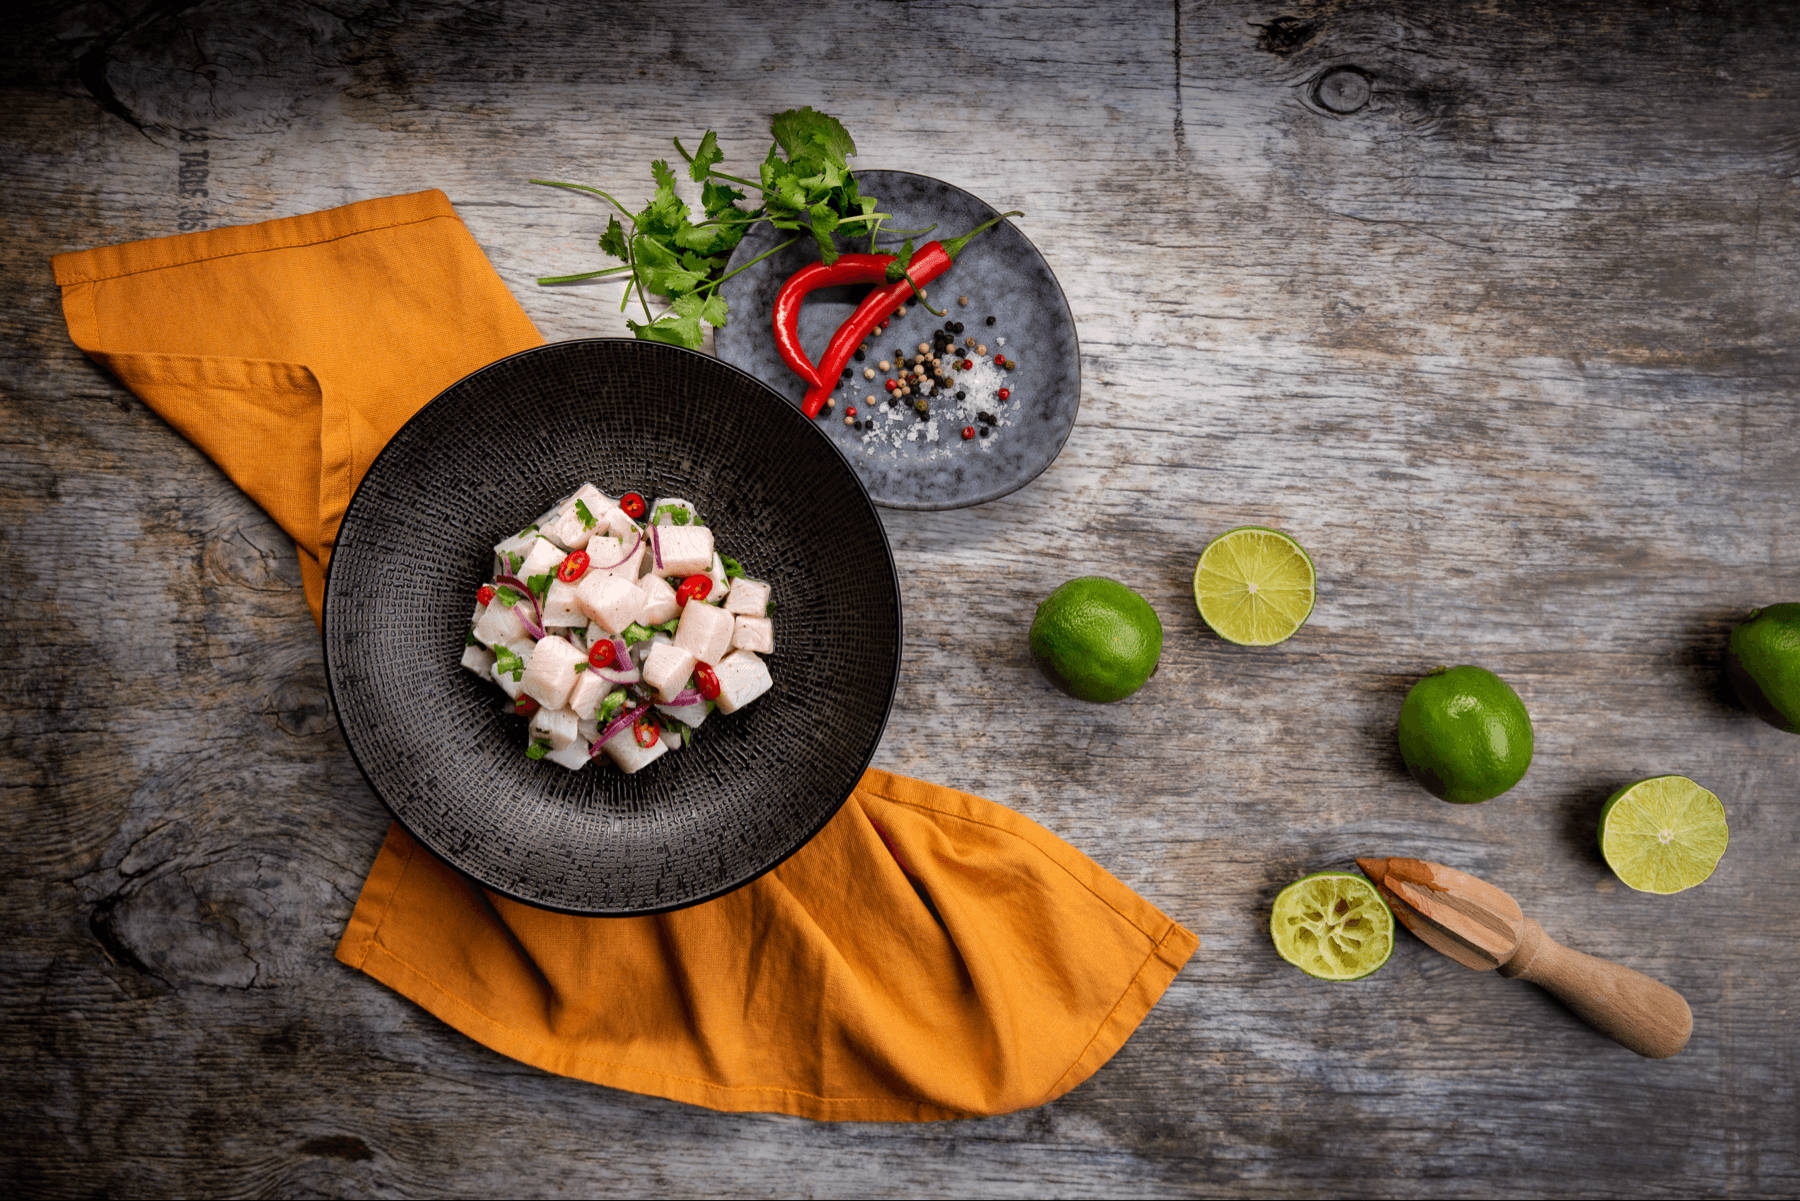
{"points": [[619, 675], [655, 546], [625, 718], [534, 625], [687, 696], [629, 551]]}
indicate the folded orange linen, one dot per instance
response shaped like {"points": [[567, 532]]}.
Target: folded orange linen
{"points": [[928, 955]]}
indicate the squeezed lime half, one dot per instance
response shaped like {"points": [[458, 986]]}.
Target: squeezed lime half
{"points": [[1333, 925]]}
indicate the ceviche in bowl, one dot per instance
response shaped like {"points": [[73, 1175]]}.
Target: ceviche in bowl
{"points": [[618, 637]]}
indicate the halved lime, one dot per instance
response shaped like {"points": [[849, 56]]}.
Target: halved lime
{"points": [[1663, 835], [1254, 587], [1333, 925]]}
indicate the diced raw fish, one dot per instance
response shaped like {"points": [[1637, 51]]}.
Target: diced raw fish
{"points": [[753, 634], [749, 597], [499, 624], [541, 559], [588, 692], [663, 511], [667, 669], [515, 546], [569, 528], [476, 615], [595, 634], [556, 726], [612, 602], [704, 632], [688, 715], [510, 684], [721, 587], [660, 604], [742, 678], [574, 756], [560, 608], [622, 748], [667, 734], [550, 676], [478, 659], [685, 550]]}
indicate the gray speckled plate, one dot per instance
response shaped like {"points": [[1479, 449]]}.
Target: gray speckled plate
{"points": [[1002, 274]]}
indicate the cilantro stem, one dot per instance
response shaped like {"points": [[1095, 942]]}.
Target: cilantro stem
{"points": [[581, 187], [546, 280], [748, 183]]}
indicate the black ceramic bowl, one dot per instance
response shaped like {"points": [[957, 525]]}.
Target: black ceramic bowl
{"points": [[480, 462]]}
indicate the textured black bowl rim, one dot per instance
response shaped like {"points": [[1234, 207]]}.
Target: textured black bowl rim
{"points": [[887, 710], [1074, 332]]}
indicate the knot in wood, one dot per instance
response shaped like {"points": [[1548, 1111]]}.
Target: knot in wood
{"points": [[1342, 90]]}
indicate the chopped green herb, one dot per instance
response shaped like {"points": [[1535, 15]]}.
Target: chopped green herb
{"points": [[681, 730], [635, 633], [677, 515], [588, 520], [469, 639], [540, 585], [530, 529], [609, 707], [733, 569], [538, 749], [513, 560], [580, 667], [667, 627], [508, 663], [507, 595]]}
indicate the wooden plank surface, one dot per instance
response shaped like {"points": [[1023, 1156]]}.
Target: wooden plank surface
{"points": [[1510, 347]]}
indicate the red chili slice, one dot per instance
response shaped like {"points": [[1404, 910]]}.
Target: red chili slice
{"points": [[486, 595], [633, 505], [602, 653], [573, 567], [645, 730], [708, 680], [695, 587], [525, 706]]}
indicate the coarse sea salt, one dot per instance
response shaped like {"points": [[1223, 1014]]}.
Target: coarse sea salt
{"points": [[894, 422]]}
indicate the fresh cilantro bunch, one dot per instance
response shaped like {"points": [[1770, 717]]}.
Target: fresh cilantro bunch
{"points": [[806, 186]]}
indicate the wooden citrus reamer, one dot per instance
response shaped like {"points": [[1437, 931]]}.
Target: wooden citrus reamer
{"points": [[1481, 927]]}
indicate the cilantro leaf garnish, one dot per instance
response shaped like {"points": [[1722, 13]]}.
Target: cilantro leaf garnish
{"points": [[538, 749], [733, 569], [635, 633], [804, 185], [540, 585], [610, 706], [507, 595], [588, 520], [508, 663]]}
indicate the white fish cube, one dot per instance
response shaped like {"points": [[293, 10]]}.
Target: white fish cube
{"points": [[749, 597], [664, 511], [478, 659], [570, 527], [574, 756], [550, 676], [753, 634], [688, 715], [668, 668], [622, 748], [555, 726], [721, 587], [542, 558], [660, 604], [511, 682], [560, 607], [607, 555], [684, 549], [742, 678], [499, 624], [509, 551], [704, 632], [613, 603], [588, 692]]}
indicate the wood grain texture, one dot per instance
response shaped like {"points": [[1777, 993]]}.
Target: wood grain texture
{"points": [[1510, 348]]}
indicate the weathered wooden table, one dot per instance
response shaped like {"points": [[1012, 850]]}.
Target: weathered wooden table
{"points": [[1495, 308]]}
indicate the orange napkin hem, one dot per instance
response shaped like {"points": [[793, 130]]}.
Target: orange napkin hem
{"points": [[1168, 947]]}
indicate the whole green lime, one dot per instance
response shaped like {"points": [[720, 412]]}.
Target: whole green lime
{"points": [[1764, 665], [1096, 639], [1464, 734]]}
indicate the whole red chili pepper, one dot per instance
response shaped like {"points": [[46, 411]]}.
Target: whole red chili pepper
{"points": [[931, 261], [849, 269]]}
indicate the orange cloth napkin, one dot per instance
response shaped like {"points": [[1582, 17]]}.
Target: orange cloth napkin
{"points": [[928, 955]]}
